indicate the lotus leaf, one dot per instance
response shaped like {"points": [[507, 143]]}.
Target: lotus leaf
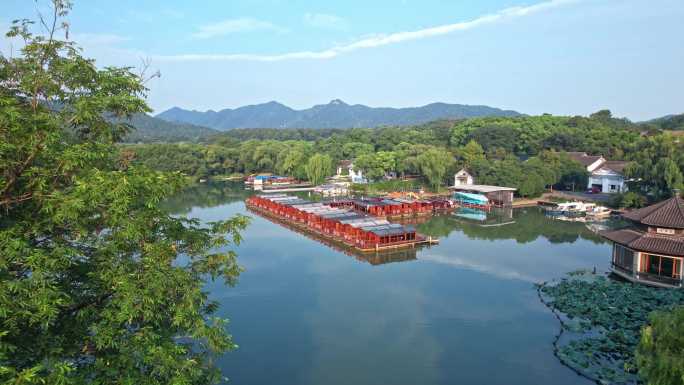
{"points": [[602, 319]]}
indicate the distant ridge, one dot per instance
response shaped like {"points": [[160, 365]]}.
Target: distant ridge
{"points": [[336, 114], [668, 122], [150, 129]]}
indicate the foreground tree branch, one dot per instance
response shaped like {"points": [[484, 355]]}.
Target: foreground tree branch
{"points": [[90, 287]]}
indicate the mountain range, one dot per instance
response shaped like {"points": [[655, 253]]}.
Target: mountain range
{"points": [[336, 114], [151, 129]]}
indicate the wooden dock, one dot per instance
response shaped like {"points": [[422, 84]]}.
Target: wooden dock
{"points": [[287, 189]]}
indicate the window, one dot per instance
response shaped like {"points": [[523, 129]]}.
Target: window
{"points": [[613, 187], [662, 266], [623, 257]]}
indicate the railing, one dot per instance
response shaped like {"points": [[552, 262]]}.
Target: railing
{"points": [[648, 277], [622, 269], [677, 282]]}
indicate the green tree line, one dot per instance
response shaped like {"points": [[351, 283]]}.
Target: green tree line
{"points": [[524, 152]]}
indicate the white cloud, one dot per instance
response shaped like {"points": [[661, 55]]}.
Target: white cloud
{"points": [[371, 42], [226, 27], [325, 21]]}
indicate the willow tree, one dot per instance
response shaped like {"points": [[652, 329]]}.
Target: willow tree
{"points": [[92, 289], [434, 165], [318, 167]]}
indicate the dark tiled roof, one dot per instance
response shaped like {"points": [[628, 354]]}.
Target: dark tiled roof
{"points": [[660, 244], [615, 165], [624, 236], [583, 158], [669, 213], [648, 242]]}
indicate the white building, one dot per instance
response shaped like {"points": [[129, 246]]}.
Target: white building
{"points": [[604, 176], [346, 168], [463, 178]]}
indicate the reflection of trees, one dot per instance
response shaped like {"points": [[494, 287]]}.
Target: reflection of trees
{"points": [[530, 224], [438, 226], [207, 195]]}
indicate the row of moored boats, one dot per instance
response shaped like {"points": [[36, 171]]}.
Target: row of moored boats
{"points": [[573, 210]]}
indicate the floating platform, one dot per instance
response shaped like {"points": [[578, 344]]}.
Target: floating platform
{"points": [[379, 257], [362, 232], [395, 208]]}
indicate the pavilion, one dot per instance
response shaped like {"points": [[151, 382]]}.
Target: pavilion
{"points": [[652, 250]]}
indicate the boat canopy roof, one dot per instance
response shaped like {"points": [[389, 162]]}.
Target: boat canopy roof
{"points": [[389, 229], [481, 188], [474, 198]]}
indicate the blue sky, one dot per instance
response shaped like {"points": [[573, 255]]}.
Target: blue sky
{"points": [[556, 56]]}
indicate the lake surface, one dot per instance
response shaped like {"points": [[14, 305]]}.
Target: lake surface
{"points": [[461, 312]]}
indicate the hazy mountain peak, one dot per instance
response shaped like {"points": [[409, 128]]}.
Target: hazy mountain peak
{"points": [[335, 114]]}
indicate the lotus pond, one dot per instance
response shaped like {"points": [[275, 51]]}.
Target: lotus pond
{"points": [[601, 322]]}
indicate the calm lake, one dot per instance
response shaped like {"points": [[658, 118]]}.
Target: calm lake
{"points": [[461, 312]]}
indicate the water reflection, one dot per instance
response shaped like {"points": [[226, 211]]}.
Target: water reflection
{"points": [[207, 195], [524, 225], [462, 312], [521, 244]]}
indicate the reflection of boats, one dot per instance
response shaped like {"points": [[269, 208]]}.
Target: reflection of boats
{"points": [[596, 228], [598, 213], [471, 213], [493, 217]]}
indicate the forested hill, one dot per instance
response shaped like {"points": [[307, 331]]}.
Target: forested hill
{"points": [[669, 122], [335, 114], [150, 129]]}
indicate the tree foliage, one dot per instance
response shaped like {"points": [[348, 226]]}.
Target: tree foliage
{"points": [[658, 165], [498, 150], [318, 167], [376, 165], [434, 165], [92, 289], [660, 354]]}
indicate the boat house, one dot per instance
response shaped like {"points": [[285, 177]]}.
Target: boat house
{"points": [[496, 195], [652, 250]]}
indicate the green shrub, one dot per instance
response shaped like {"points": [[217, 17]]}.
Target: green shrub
{"points": [[660, 354]]}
